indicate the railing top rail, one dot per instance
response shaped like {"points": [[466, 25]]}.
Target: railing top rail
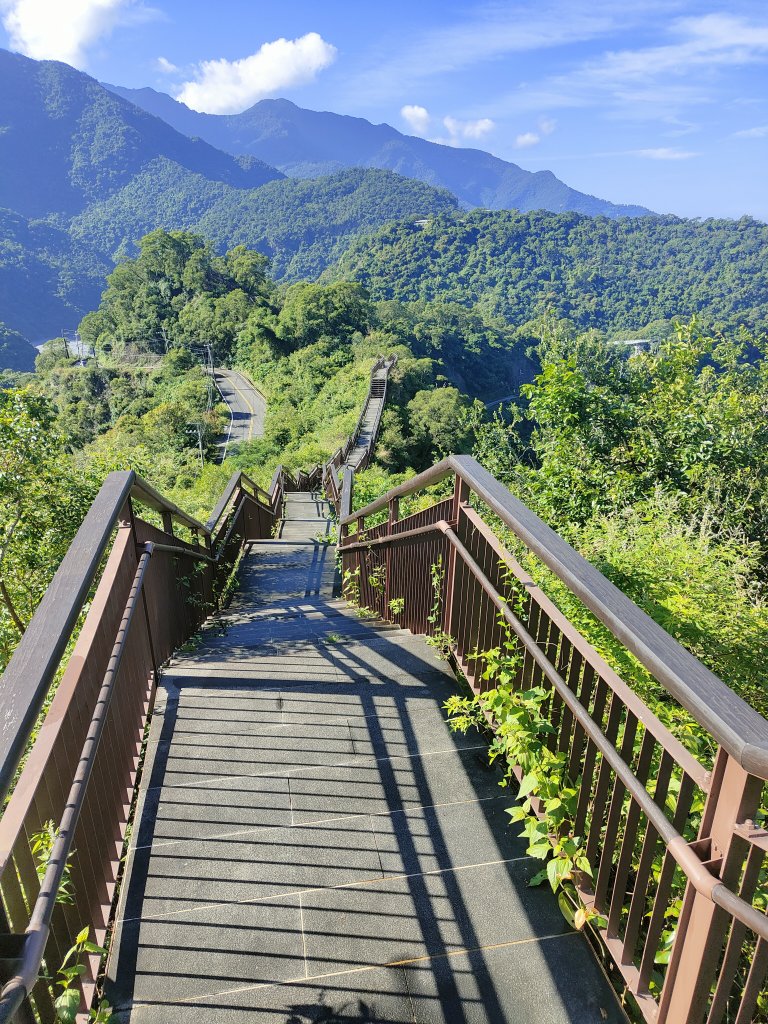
{"points": [[731, 721], [147, 495], [29, 674], [238, 479]]}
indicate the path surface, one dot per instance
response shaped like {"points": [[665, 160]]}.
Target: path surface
{"points": [[247, 407], [371, 414], [313, 845]]}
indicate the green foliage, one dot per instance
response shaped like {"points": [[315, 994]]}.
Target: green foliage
{"points": [[654, 467], [597, 272], [521, 727], [41, 846], [67, 1003], [43, 499], [16, 353], [302, 224]]}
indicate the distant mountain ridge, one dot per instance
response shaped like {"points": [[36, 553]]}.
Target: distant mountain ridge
{"points": [[307, 143], [65, 141]]}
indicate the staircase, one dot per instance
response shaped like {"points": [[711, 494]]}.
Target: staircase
{"points": [[313, 843], [369, 420]]}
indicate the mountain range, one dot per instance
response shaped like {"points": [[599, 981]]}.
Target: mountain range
{"points": [[306, 143], [88, 169]]}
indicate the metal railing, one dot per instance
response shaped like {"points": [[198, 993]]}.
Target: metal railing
{"points": [[153, 589], [665, 837], [151, 594]]}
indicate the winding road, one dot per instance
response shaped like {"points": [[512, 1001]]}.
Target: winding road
{"points": [[247, 407]]}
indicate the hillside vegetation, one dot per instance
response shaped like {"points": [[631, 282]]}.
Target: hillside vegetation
{"points": [[302, 226], [145, 403], [66, 141], [609, 274]]}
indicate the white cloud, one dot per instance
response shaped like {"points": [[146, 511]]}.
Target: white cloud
{"points": [[664, 153], [760, 132], [165, 67], [227, 87], [527, 139], [657, 82], [494, 29], [468, 129], [417, 118], [58, 30]]}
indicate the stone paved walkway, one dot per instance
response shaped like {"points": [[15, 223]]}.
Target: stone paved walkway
{"points": [[314, 845]]}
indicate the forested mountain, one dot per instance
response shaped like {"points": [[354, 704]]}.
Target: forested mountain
{"points": [[48, 280], [66, 141], [302, 225], [306, 143], [596, 272], [16, 353]]}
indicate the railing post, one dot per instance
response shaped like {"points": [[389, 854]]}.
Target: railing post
{"points": [[394, 515], [460, 497], [167, 522], [734, 797]]}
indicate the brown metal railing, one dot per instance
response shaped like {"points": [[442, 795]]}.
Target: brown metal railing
{"points": [[153, 592], [663, 835]]}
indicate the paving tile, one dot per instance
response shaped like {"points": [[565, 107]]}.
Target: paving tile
{"points": [[270, 754], [411, 731], [375, 996], [445, 837], [250, 865], [390, 658], [552, 982], [424, 915], [195, 812], [175, 959], [371, 786]]}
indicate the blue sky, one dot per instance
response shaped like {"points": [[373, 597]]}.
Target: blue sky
{"points": [[657, 102]]}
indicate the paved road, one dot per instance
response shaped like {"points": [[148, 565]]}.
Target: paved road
{"points": [[247, 406]]}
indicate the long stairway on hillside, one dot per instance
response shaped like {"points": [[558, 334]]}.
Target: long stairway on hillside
{"points": [[313, 844], [371, 414]]}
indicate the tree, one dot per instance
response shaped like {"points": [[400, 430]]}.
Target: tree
{"points": [[43, 499]]}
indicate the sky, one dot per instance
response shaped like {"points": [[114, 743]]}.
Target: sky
{"points": [[658, 102]]}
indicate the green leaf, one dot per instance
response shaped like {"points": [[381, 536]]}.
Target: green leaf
{"points": [[67, 1005], [540, 850], [91, 947], [82, 936]]}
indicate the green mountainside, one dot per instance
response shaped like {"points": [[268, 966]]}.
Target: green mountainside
{"points": [[306, 143], [302, 225], [596, 272], [66, 141], [48, 280], [16, 353]]}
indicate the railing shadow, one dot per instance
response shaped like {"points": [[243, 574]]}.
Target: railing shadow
{"points": [[427, 933]]}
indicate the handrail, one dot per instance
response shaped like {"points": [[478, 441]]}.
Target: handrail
{"points": [[243, 512], [31, 669], [702, 878], [735, 725], [38, 930], [236, 481], [638, 793], [29, 673]]}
